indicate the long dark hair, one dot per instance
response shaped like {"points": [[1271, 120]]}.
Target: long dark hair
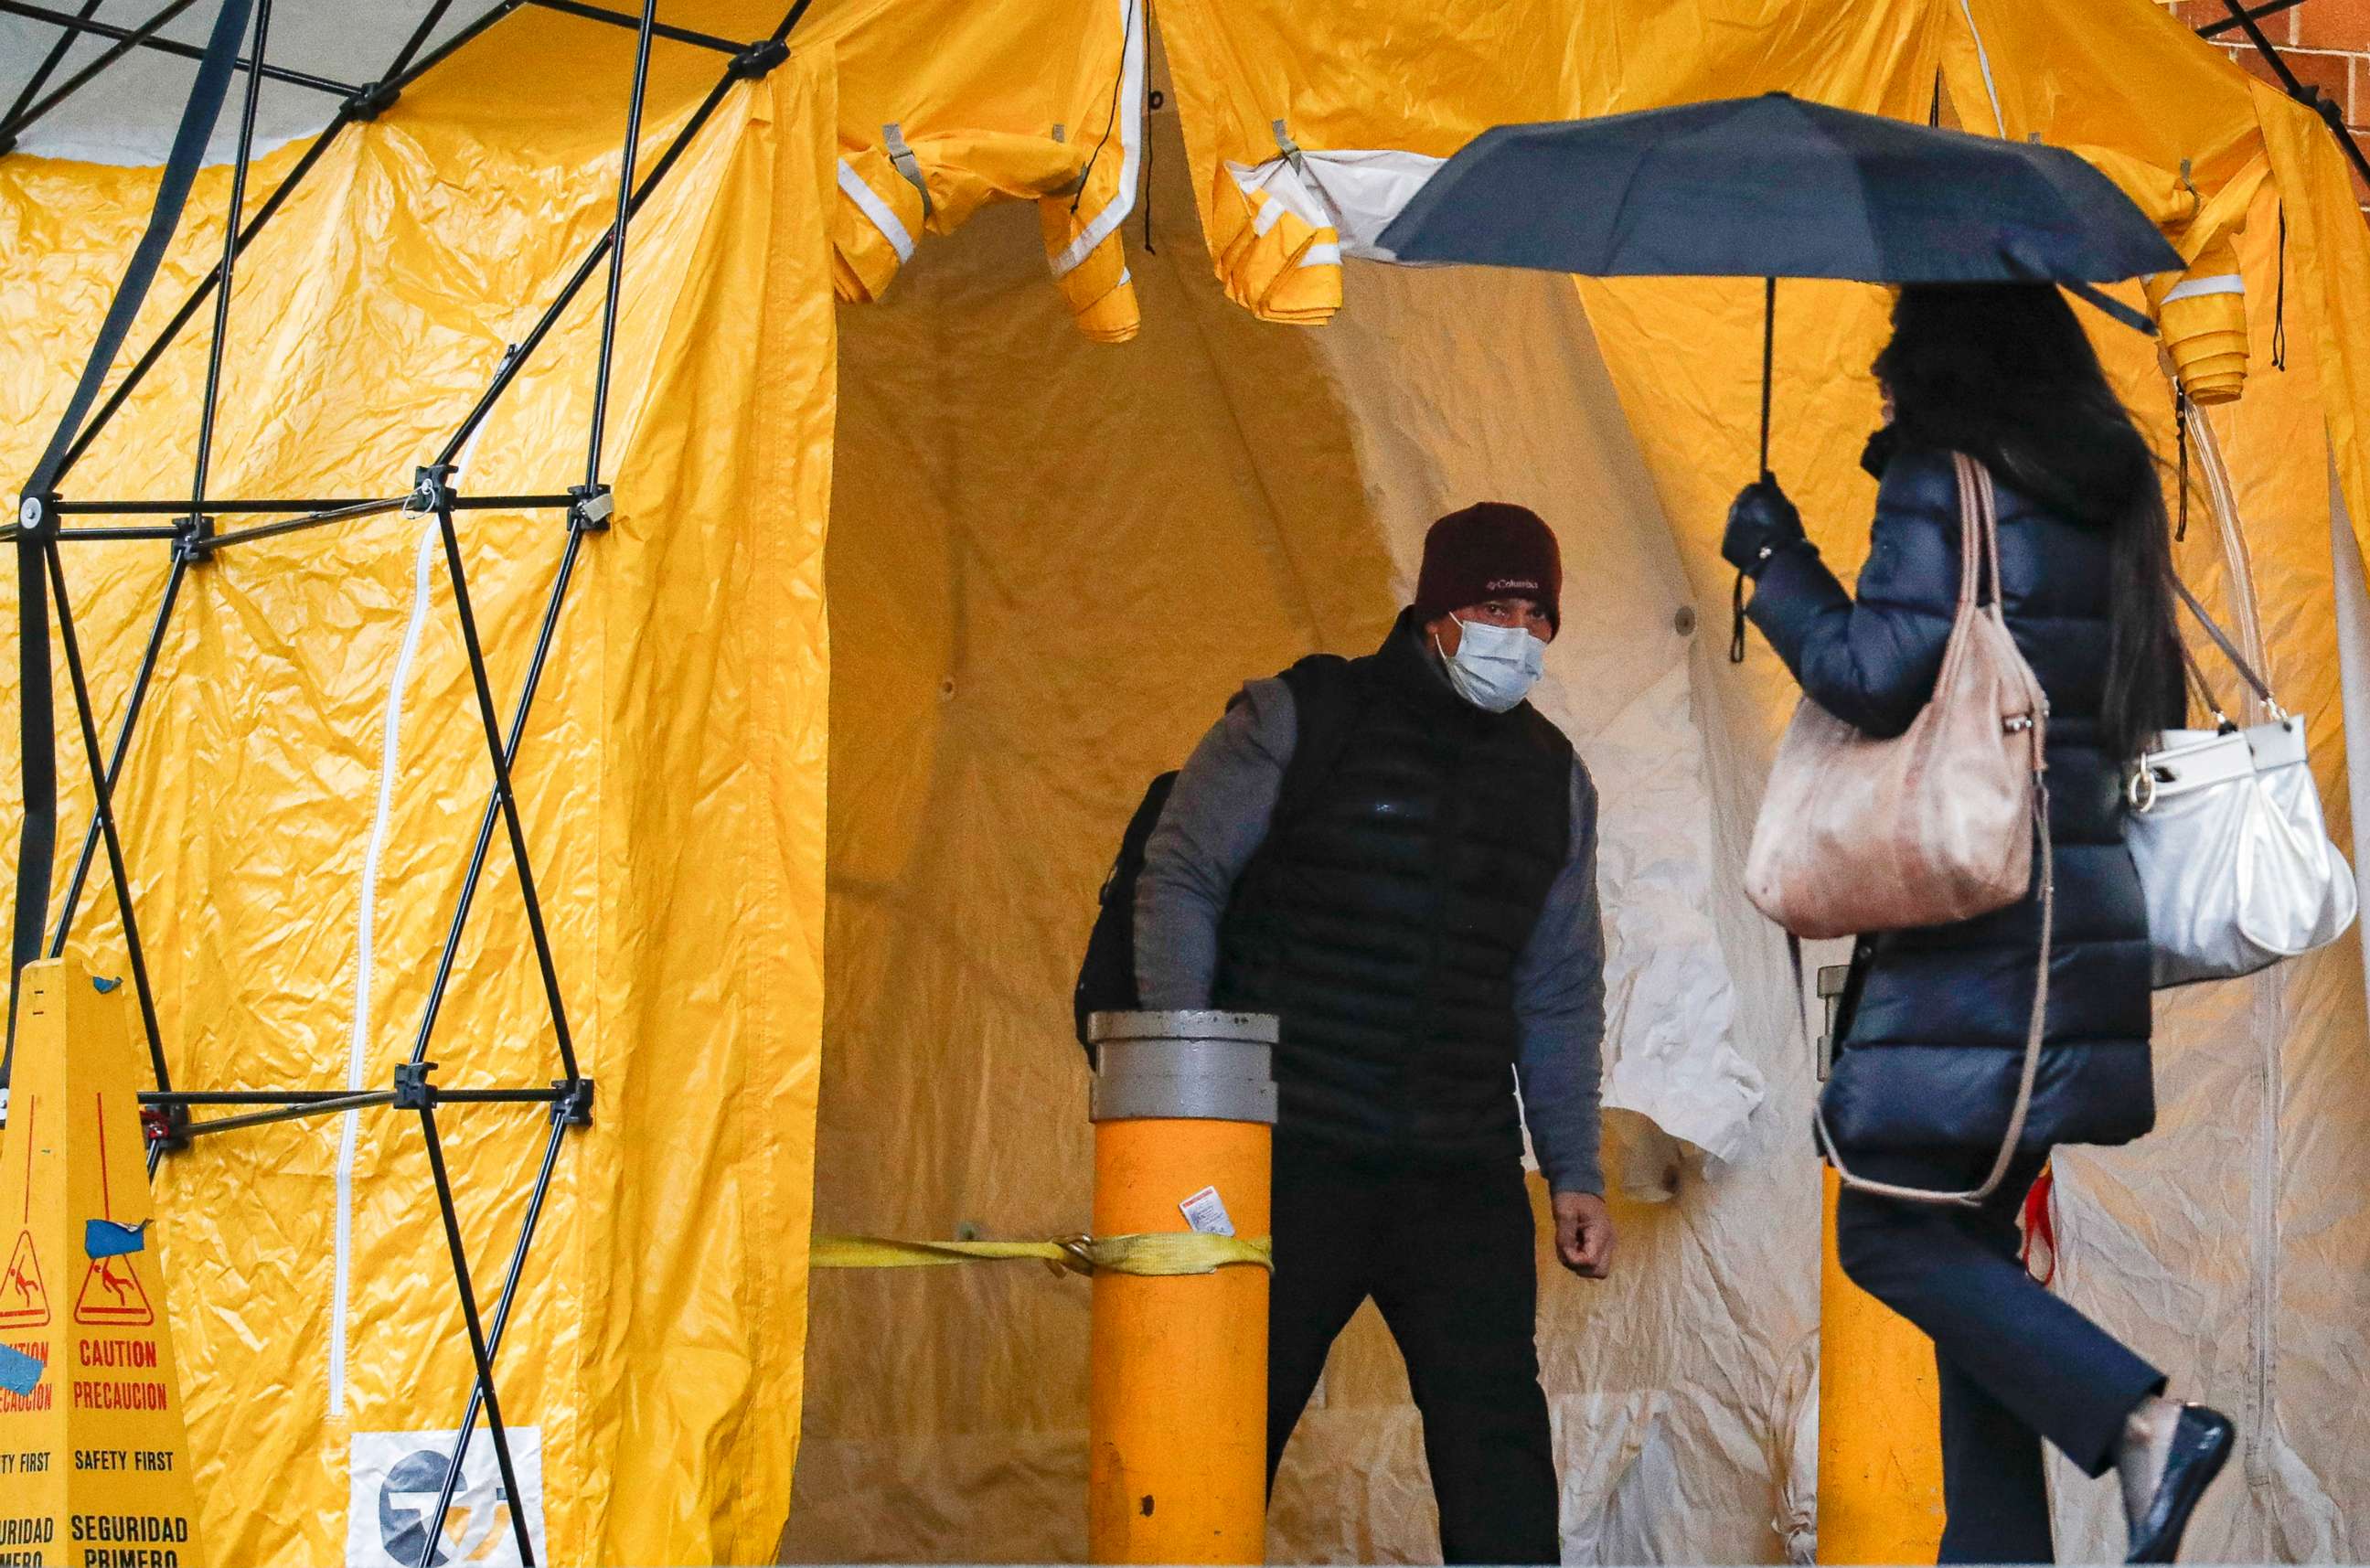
{"points": [[2003, 371]]}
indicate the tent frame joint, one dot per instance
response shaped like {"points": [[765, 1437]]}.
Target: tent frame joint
{"points": [[412, 1090], [590, 507], [757, 61], [37, 518], [573, 1105], [193, 539], [371, 100], [432, 488], [167, 1128]]}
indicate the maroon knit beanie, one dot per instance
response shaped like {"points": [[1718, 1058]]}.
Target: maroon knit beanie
{"points": [[1491, 550]]}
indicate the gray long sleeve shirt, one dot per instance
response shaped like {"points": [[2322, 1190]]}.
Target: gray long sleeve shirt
{"points": [[1215, 821]]}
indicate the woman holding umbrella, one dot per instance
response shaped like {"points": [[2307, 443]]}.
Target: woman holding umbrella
{"points": [[2004, 373]]}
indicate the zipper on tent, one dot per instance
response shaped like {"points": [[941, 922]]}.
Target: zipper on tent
{"points": [[365, 927], [2267, 1012], [366, 919], [2271, 1028]]}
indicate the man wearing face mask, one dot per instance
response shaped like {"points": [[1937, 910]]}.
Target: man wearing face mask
{"points": [[1424, 923]]}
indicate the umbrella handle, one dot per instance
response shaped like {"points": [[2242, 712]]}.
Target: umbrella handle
{"points": [[1769, 363]]}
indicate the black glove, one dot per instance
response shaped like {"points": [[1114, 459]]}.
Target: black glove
{"points": [[1760, 523], [1877, 455]]}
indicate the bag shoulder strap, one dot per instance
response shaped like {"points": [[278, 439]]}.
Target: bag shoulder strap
{"points": [[2021, 1113], [2223, 640]]}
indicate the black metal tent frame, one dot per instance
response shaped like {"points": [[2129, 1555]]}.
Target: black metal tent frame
{"points": [[193, 539], [2248, 20]]}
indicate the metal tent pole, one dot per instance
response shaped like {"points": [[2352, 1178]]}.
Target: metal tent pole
{"points": [[104, 798], [17, 124], [227, 273], [147, 37]]}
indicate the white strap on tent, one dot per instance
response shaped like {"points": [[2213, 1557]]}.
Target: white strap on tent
{"points": [[1288, 147], [1130, 133], [2217, 283], [892, 140], [365, 958], [1983, 63], [884, 217], [358, 1040]]}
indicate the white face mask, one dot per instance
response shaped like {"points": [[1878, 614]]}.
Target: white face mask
{"points": [[1495, 667]]}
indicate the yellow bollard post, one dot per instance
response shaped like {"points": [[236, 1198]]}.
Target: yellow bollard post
{"points": [[1880, 1450], [1176, 1466]]}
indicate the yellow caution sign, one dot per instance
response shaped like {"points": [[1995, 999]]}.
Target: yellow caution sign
{"points": [[93, 1454]]}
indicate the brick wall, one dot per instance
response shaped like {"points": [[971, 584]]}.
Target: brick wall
{"points": [[2325, 42]]}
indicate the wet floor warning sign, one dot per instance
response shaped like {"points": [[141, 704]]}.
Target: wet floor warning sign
{"points": [[93, 1454], [24, 1300]]}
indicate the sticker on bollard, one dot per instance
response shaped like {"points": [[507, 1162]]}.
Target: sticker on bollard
{"points": [[1207, 1211]]}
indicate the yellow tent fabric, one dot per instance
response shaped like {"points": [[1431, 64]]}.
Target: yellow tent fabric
{"points": [[672, 782], [1014, 658], [1050, 561]]}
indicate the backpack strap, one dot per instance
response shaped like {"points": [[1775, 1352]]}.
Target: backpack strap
{"points": [[1325, 707]]}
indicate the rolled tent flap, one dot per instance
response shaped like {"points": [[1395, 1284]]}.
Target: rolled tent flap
{"points": [[2201, 310], [1277, 252], [2203, 316], [945, 106], [1283, 226]]}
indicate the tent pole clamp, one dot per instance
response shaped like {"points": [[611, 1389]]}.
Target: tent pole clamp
{"points": [[193, 539], [432, 488], [589, 508], [412, 1090], [372, 99], [165, 1127], [573, 1108], [757, 61], [37, 517]]}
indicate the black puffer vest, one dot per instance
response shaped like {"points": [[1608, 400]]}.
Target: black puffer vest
{"points": [[1383, 922]]}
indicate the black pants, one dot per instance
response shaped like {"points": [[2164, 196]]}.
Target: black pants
{"points": [[2017, 1363], [1448, 1257]]}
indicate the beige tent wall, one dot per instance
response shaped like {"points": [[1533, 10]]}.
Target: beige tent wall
{"points": [[1671, 1380], [1050, 561], [2231, 1245], [1050, 564]]}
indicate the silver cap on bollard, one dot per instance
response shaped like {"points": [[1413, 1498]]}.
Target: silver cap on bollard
{"points": [[1194, 1066]]}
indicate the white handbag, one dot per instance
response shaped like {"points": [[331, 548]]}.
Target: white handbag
{"points": [[2226, 828]]}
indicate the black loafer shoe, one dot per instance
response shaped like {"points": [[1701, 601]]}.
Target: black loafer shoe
{"points": [[2201, 1444]]}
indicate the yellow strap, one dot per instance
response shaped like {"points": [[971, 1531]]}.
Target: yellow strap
{"points": [[1176, 1252]]}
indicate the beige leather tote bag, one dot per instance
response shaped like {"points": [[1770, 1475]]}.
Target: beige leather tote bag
{"points": [[1935, 826]]}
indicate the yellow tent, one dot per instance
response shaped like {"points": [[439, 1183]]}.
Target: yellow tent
{"points": [[770, 853]]}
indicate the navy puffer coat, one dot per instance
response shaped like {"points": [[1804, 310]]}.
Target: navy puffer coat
{"points": [[1936, 1021]]}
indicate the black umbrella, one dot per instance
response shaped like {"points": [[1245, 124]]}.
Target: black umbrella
{"points": [[1774, 187]]}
